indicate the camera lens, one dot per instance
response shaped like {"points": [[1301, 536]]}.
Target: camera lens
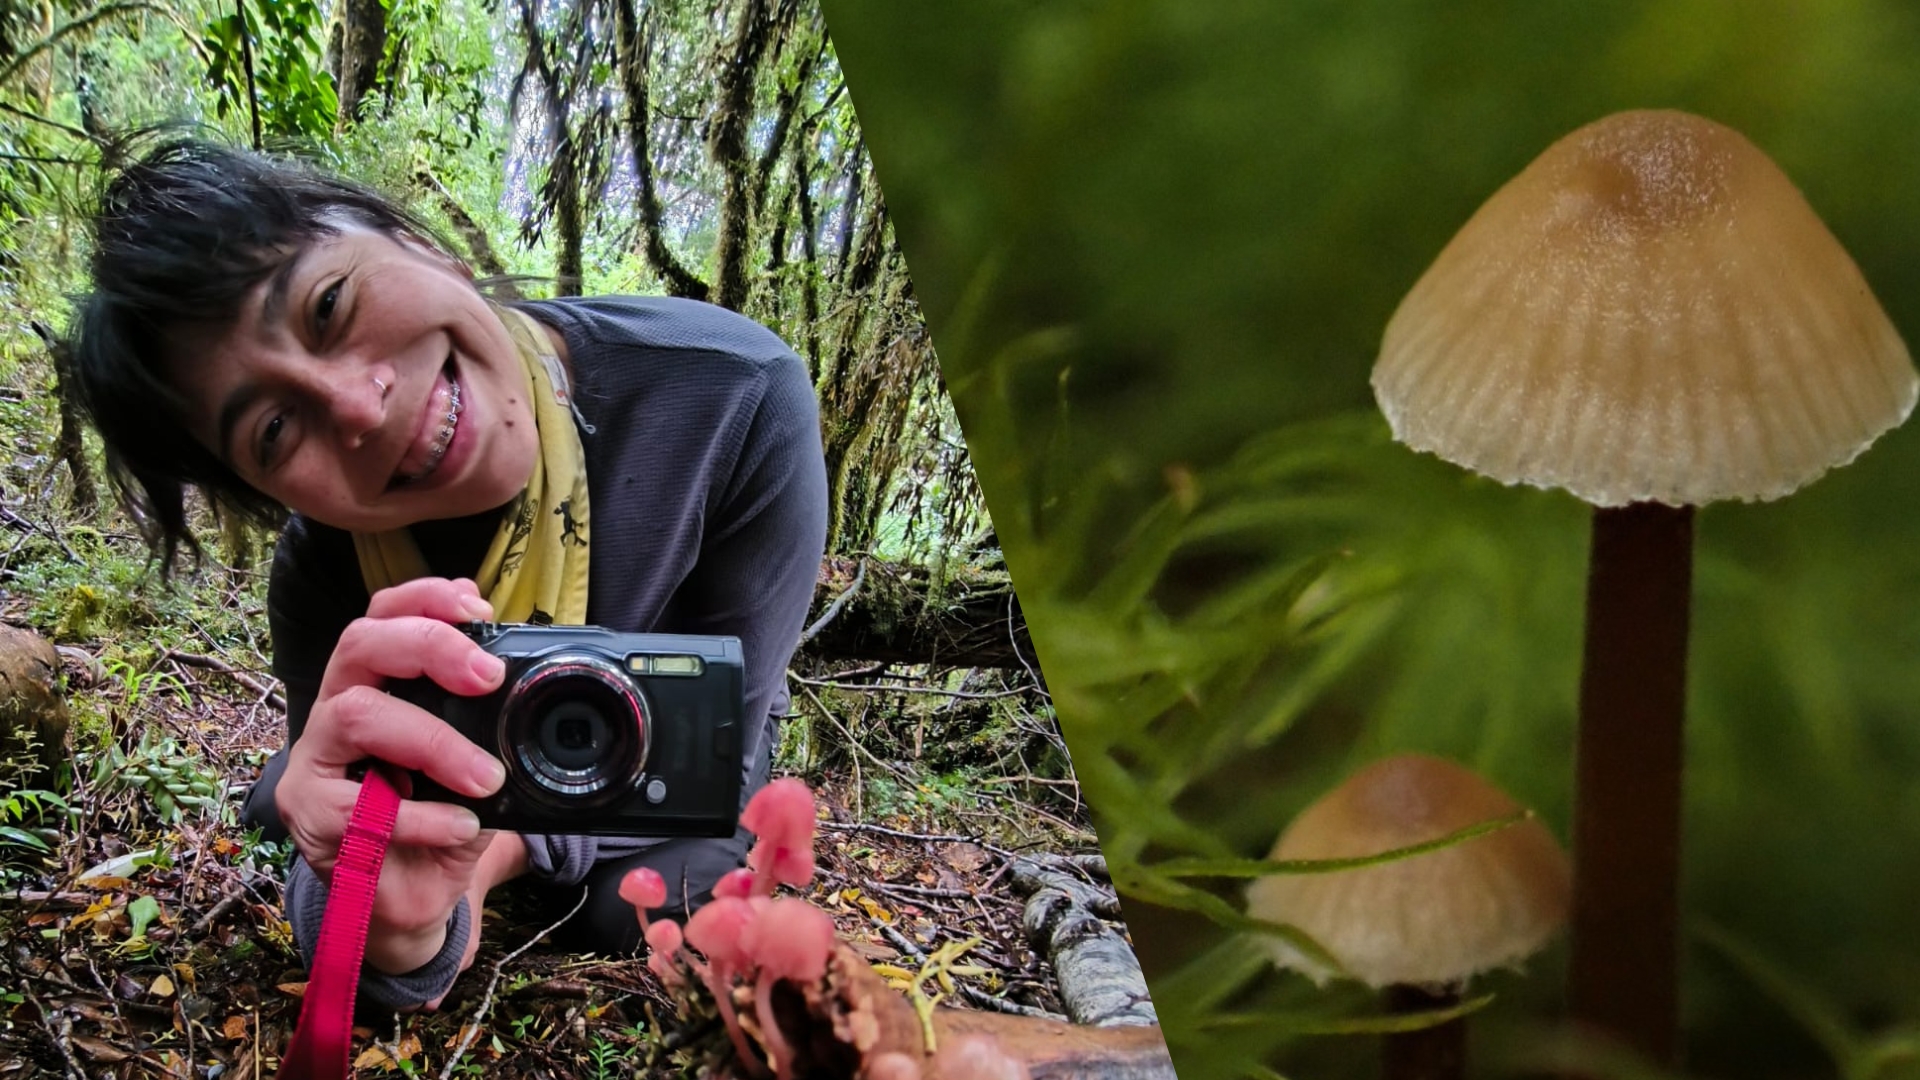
{"points": [[574, 728], [573, 735]]}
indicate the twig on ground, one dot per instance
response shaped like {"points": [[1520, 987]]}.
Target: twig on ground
{"points": [[929, 838], [921, 890], [30, 526], [897, 688], [472, 1027], [113, 999], [61, 1032], [44, 898], [833, 609], [1028, 779], [851, 741], [393, 1051], [999, 1004], [1077, 832], [900, 941], [1013, 639], [214, 663]]}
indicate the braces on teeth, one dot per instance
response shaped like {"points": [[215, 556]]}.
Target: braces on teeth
{"points": [[439, 448]]}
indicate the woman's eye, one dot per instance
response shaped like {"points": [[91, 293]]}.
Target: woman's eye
{"points": [[270, 438], [323, 308]]}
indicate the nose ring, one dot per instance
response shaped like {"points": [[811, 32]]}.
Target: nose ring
{"points": [[381, 385]]}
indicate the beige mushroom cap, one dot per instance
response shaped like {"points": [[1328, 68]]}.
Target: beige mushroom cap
{"points": [[1650, 311], [1434, 918]]}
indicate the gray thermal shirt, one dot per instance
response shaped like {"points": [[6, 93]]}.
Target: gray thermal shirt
{"points": [[708, 499]]}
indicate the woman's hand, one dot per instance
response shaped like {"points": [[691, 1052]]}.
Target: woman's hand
{"points": [[436, 846]]}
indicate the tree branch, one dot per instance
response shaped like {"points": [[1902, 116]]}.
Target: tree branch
{"points": [[246, 56], [478, 244], [632, 47], [38, 119], [104, 11], [727, 145]]}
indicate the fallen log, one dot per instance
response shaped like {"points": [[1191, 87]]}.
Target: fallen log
{"points": [[899, 614], [1100, 980], [843, 1024]]}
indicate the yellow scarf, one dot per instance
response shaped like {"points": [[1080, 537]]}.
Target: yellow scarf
{"points": [[536, 568]]}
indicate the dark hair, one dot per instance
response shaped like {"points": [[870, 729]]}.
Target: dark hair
{"points": [[180, 237]]}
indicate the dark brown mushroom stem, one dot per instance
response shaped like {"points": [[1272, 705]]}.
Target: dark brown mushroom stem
{"points": [[1624, 979], [1429, 1053]]}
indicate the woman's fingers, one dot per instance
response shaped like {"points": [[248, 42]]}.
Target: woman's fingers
{"points": [[418, 824], [449, 600], [435, 825], [409, 647], [361, 722]]}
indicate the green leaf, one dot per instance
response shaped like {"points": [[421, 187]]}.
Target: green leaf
{"points": [[1298, 1023], [140, 914], [1252, 868], [10, 834], [1144, 883]]}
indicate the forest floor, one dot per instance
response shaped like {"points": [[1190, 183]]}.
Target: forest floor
{"points": [[149, 938]]}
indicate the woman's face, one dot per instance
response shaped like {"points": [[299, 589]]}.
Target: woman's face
{"points": [[366, 385]]}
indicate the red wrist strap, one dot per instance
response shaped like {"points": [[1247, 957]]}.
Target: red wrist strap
{"points": [[324, 1036]]}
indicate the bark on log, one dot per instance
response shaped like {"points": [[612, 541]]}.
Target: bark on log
{"points": [[899, 617], [1100, 979], [851, 1017]]}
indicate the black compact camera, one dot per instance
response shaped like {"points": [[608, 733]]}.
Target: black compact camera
{"points": [[602, 733]]}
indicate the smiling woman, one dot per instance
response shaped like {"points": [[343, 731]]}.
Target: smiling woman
{"points": [[302, 351], [351, 383]]}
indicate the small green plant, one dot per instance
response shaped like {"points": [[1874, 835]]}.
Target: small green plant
{"points": [[172, 780], [607, 1059], [142, 685], [939, 794], [21, 809], [24, 809]]}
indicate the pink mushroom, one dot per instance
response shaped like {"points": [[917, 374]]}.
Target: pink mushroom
{"points": [[663, 942], [744, 932], [781, 818], [790, 939], [734, 883], [719, 931], [645, 889]]}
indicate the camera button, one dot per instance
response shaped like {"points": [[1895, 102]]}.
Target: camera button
{"points": [[656, 791]]}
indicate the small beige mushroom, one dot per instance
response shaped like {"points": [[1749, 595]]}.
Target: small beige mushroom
{"points": [[1651, 317], [1436, 918], [1650, 311], [1420, 926]]}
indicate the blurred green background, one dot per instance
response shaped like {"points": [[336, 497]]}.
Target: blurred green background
{"points": [[1158, 242]]}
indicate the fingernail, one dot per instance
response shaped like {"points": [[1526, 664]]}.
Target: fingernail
{"points": [[466, 826], [487, 666], [491, 774], [477, 608]]}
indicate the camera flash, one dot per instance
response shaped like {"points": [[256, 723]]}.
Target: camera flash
{"points": [[642, 664]]}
